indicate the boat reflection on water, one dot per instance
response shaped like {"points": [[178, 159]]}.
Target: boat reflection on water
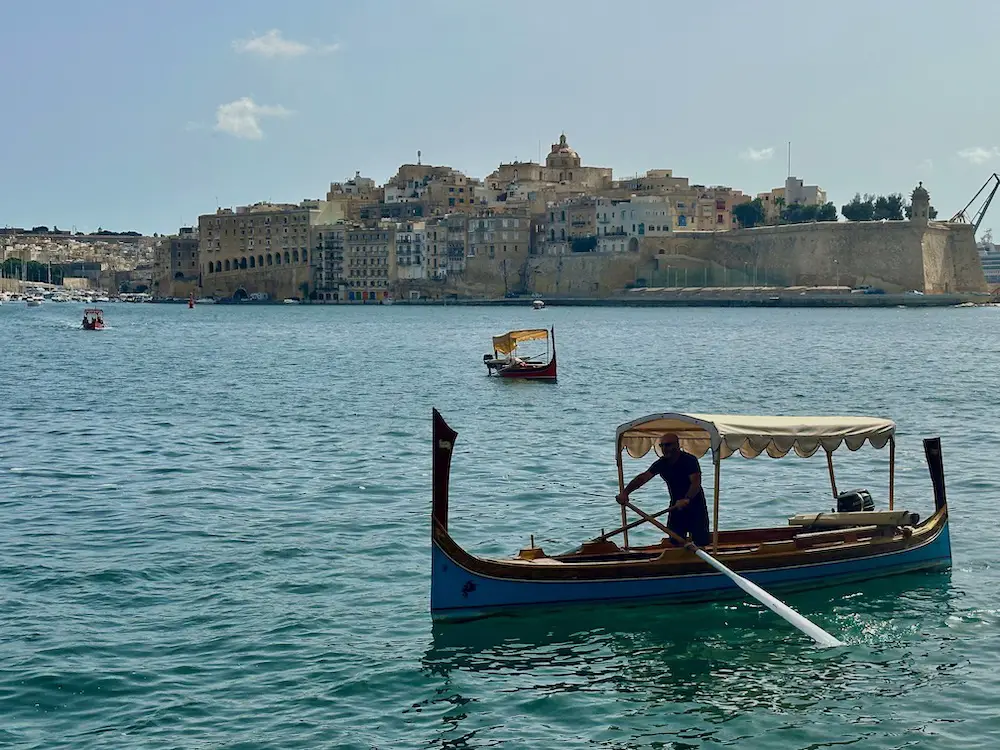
{"points": [[723, 654]]}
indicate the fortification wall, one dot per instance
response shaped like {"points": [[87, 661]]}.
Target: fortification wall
{"points": [[896, 256]]}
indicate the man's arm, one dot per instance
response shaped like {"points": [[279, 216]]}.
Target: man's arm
{"points": [[636, 483], [693, 490]]}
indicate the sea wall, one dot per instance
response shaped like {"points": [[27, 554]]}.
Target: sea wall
{"points": [[896, 256], [277, 282]]}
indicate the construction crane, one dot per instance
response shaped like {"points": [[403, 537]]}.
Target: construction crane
{"points": [[977, 218]]}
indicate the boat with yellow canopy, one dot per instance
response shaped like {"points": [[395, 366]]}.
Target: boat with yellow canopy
{"points": [[508, 362], [854, 542]]}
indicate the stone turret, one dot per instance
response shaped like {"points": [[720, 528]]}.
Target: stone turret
{"points": [[920, 203]]}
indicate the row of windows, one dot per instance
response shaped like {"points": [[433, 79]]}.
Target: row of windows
{"points": [[220, 266], [265, 221]]}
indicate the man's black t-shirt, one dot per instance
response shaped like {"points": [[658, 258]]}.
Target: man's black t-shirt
{"points": [[678, 477]]}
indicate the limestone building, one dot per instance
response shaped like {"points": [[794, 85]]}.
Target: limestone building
{"points": [[260, 249], [563, 175], [176, 266], [794, 191]]}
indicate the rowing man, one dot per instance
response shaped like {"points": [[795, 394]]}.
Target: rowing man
{"points": [[682, 473]]}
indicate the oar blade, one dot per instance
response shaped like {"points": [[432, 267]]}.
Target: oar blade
{"points": [[779, 608], [782, 610]]}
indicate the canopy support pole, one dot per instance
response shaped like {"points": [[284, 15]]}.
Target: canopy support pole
{"points": [[715, 504], [833, 479], [892, 469], [621, 488]]}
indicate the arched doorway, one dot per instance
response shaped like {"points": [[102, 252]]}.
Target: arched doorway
{"points": [[240, 295], [633, 245]]}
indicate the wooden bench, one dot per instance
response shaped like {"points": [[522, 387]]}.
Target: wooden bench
{"points": [[852, 534]]}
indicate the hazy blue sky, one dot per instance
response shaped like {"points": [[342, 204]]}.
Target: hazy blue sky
{"points": [[143, 115]]}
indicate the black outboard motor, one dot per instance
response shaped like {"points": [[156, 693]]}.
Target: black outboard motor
{"points": [[853, 501]]}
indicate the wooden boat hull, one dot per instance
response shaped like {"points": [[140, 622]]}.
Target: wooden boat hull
{"points": [[546, 372], [464, 585], [793, 556]]}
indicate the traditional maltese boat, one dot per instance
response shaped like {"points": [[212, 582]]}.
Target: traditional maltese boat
{"points": [[508, 362], [855, 542]]}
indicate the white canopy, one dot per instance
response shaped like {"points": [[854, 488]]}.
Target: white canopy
{"points": [[750, 435]]}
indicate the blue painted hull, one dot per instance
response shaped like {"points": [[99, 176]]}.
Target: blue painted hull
{"points": [[458, 590]]}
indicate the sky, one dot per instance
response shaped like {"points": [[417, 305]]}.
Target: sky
{"points": [[141, 116]]}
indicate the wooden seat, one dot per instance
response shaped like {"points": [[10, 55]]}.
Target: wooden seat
{"points": [[851, 534]]}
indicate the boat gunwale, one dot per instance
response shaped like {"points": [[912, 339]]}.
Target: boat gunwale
{"points": [[591, 571]]}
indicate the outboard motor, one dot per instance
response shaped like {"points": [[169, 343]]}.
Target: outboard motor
{"points": [[853, 501]]}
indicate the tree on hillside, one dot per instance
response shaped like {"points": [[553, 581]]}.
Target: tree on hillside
{"points": [[749, 214], [826, 212], [889, 207], [799, 214], [859, 209], [931, 211]]}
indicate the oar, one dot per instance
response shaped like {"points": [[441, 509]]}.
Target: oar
{"points": [[779, 608], [630, 525]]}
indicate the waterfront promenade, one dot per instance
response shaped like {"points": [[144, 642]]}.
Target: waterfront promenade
{"points": [[719, 297]]}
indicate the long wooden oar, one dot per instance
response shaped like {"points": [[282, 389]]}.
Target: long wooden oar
{"points": [[629, 525], [779, 608]]}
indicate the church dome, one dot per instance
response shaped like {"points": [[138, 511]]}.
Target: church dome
{"points": [[562, 155], [920, 193], [563, 148]]}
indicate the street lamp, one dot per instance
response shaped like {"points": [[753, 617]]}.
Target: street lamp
{"points": [[836, 267]]}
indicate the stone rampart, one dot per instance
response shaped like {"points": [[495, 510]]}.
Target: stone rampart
{"points": [[896, 256]]}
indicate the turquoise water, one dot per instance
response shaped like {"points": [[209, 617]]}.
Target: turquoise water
{"points": [[215, 530]]}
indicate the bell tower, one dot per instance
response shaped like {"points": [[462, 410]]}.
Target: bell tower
{"points": [[920, 203]]}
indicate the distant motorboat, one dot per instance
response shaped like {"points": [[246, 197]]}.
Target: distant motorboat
{"points": [[538, 304], [205, 301], [34, 301], [291, 301]]}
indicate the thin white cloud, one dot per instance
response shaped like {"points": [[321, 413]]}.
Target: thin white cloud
{"points": [[758, 154], [979, 155], [241, 118], [926, 166], [273, 44]]}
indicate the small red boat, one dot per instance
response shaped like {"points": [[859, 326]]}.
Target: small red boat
{"points": [[505, 362], [96, 321]]}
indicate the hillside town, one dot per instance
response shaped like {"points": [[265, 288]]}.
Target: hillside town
{"points": [[430, 225], [432, 232]]}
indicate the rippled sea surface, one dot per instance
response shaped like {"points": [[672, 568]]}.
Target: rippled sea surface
{"points": [[215, 530]]}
